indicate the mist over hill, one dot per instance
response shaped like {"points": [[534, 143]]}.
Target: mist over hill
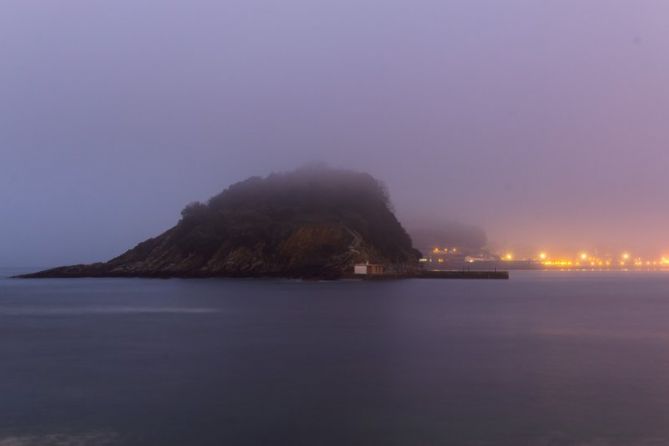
{"points": [[312, 222], [430, 233]]}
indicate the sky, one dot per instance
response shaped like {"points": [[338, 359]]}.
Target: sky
{"points": [[544, 122]]}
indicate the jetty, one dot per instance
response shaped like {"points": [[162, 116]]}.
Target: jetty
{"points": [[503, 275], [436, 274]]}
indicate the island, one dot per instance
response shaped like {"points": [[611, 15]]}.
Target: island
{"points": [[314, 222]]}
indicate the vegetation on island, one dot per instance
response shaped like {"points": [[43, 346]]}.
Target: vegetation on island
{"points": [[313, 222]]}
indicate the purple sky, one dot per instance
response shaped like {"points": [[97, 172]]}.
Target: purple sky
{"points": [[545, 122]]}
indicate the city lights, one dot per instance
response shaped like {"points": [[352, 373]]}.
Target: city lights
{"points": [[584, 260], [581, 260]]}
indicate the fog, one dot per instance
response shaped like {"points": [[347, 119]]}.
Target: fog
{"points": [[543, 122]]}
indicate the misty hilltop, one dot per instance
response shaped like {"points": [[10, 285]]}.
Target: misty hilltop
{"points": [[312, 222], [429, 234]]}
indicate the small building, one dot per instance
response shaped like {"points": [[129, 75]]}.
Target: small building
{"points": [[368, 269]]}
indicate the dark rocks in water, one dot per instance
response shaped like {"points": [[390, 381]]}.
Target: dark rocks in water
{"points": [[314, 222]]}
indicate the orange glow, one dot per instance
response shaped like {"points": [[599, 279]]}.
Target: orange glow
{"points": [[584, 260]]}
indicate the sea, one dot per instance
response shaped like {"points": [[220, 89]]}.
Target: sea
{"points": [[543, 359]]}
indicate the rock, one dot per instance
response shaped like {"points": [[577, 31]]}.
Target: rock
{"points": [[314, 222]]}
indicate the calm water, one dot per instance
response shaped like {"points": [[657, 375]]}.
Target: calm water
{"points": [[542, 359]]}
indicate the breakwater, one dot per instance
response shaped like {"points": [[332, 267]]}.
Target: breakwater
{"points": [[495, 275], [503, 275]]}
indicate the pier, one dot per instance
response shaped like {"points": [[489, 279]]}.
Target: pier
{"points": [[500, 275], [437, 274]]}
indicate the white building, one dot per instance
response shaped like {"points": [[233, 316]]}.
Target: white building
{"points": [[368, 269]]}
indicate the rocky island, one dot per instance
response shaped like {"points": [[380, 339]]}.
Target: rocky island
{"points": [[314, 222]]}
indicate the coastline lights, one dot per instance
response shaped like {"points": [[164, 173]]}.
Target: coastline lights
{"points": [[583, 260], [438, 250], [578, 260]]}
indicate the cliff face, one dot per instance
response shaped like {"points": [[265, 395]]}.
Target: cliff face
{"points": [[314, 222]]}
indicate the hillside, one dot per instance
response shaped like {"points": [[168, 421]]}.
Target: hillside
{"points": [[312, 222]]}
